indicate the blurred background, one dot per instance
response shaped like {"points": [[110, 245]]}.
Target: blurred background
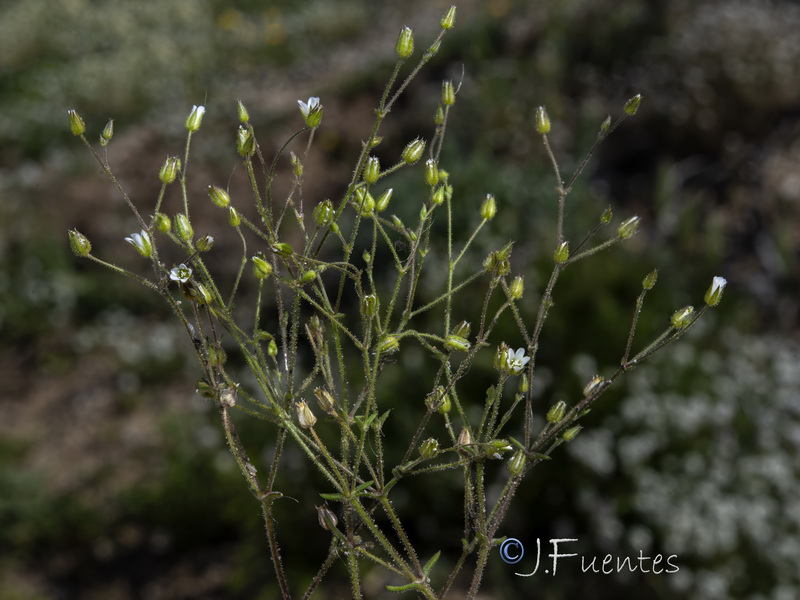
{"points": [[115, 482]]}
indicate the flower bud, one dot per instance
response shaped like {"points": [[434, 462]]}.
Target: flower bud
{"points": [[141, 241], [325, 400], [327, 518], [304, 415], [369, 305], [498, 446], [405, 43], [628, 228], [283, 249], [448, 93], [604, 128], [217, 357], [79, 243], [365, 202], [183, 228], [382, 203], [196, 292], [542, 121], [169, 170], [324, 213], [272, 348], [683, 317], [524, 384], [261, 267], [309, 275], [488, 208], [449, 19], [605, 218], [594, 386], [241, 111], [366, 257], [501, 358], [632, 105], [571, 433], [297, 166], [557, 412], [456, 343], [561, 255], [413, 151], [162, 222], [462, 329], [438, 196], [714, 293], [195, 118], [431, 172], [516, 288], [387, 345], [205, 243], [517, 463], [438, 116], [429, 448], [219, 196], [245, 142], [76, 124], [650, 280], [234, 218], [372, 170], [464, 437], [107, 133]]}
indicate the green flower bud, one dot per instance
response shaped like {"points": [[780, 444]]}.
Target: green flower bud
{"points": [[183, 229], [517, 463], [196, 292], [632, 105], [682, 318], [440, 401], [219, 196], [244, 116], [79, 243], [308, 276], [496, 447], [297, 166], [405, 43], [195, 118], [304, 415], [372, 170], [516, 288], [367, 257], [561, 255], [369, 305], [76, 124], [462, 329], [650, 280], [714, 293], [162, 222], [324, 213], [431, 172], [272, 348], [365, 202], [245, 142], [169, 170], [542, 121], [325, 400], [141, 241], [605, 218], [628, 228], [557, 412], [448, 93], [388, 345], [382, 203], [217, 356], [456, 343], [261, 267], [205, 390], [438, 196], [234, 218], [107, 133], [524, 384], [438, 116], [488, 208], [413, 151], [429, 448], [283, 249], [605, 126], [449, 19], [501, 358], [595, 384], [571, 433], [205, 243]]}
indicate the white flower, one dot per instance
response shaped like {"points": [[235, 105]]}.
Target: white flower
{"points": [[307, 107], [141, 241], [517, 360], [718, 284], [181, 273]]}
